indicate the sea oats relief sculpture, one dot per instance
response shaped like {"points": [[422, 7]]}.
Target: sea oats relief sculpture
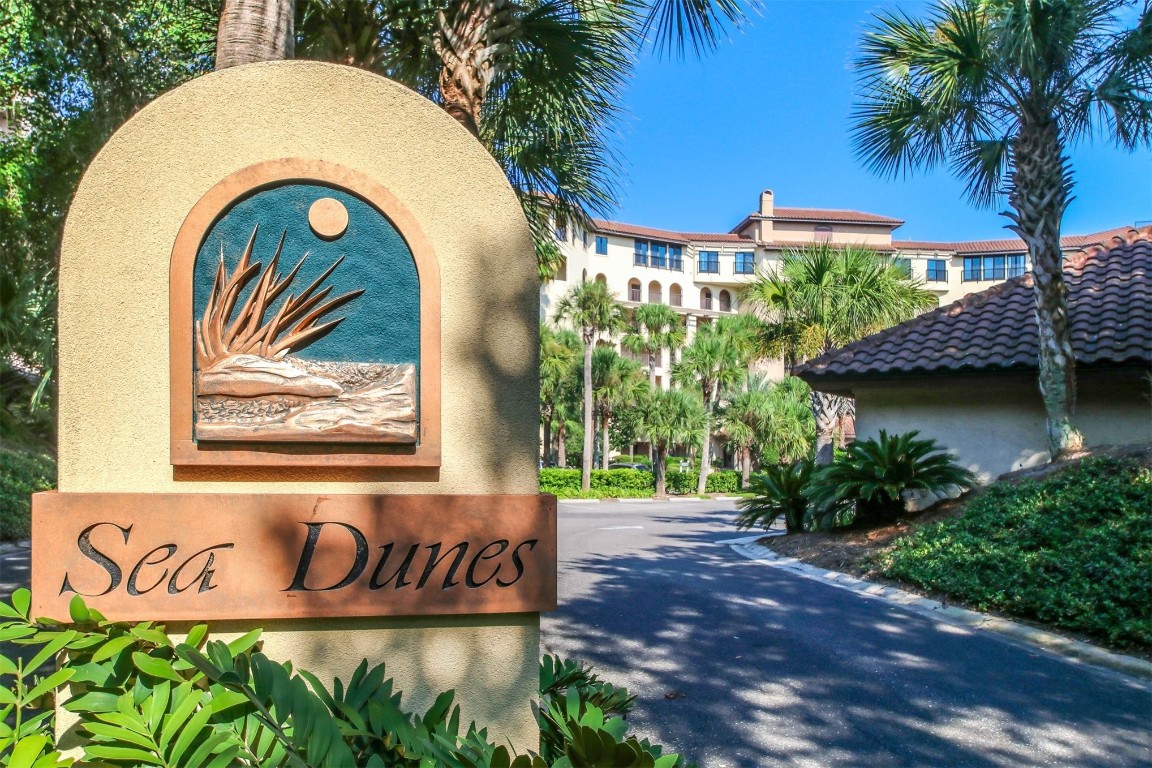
{"points": [[250, 387]]}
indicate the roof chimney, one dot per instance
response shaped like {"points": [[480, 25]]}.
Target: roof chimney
{"points": [[766, 206]]}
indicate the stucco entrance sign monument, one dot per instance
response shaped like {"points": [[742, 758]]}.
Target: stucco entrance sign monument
{"points": [[298, 331]]}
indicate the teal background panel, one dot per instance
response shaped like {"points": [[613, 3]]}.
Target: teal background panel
{"points": [[381, 326]]}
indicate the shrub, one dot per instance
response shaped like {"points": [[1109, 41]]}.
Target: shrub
{"points": [[627, 458], [21, 475], [606, 483], [1073, 550], [778, 490], [723, 481], [148, 700], [875, 472]]}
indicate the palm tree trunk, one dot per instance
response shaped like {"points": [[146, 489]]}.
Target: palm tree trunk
{"points": [[658, 466], [604, 447], [254, 30], [826, 410], [745, 465], [706, 448], [1038, 194], [546, 453], [589, 424], [561, 445], [468, 47]]}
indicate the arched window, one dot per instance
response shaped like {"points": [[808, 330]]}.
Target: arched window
{"points": [[654, 294], [823, 233], [634, 290], [725, 301], [705, 298], [600, 278], [675, 296]]}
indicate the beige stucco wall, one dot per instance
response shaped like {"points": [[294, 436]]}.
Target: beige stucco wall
{"points": [[996, 424], [114, 390]]}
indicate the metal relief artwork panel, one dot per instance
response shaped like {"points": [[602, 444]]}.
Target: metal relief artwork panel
{"points": [[306, 322]]}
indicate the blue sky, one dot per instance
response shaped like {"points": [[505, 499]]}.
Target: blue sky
{"points": [[770, 109]]}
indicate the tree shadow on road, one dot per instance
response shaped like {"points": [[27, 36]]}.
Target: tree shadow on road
{"points": [[738, 663]]}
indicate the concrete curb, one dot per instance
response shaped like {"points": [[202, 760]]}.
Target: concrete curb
{"points": [[1066, 647]]}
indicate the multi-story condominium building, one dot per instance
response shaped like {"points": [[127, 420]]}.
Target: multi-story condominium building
{"points": [[700, 274]]}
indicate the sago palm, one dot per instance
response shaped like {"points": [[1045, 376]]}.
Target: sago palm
{"points": [[781, 489], [594, 312], [997, 89], [824, 296]]}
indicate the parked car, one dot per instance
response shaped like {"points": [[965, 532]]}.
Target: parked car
{"points": [[627, 465]]}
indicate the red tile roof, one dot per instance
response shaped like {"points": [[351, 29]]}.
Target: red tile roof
{"points": [[829, 214], [1008, 245], [667, 235], [1109, 307]]}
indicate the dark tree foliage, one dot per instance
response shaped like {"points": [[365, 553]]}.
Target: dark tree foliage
{"points": [[71, 72]]}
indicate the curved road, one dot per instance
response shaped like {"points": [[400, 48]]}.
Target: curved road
{"points": [[737, 663]]}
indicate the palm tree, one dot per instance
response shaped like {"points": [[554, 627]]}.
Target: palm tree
{"points": [[711, 362], [254, 30], [744, 417], [559, 351], [997, 89], [790, 430], [824, 296], [616, 382], [670, 418], [594, 312], [656, 327]]}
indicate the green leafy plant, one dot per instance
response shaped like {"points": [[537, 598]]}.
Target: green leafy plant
{"points": [[144, 698], [875, 472], [1073, 550], [21, 474], [778, 490]]}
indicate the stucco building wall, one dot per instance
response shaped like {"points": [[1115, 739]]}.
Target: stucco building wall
{"points": [[996, 424], [114, 339]]}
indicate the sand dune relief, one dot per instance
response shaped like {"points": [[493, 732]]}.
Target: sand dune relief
{"points": [[251, 387]]}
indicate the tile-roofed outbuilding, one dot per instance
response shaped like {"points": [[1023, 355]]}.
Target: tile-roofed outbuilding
{"points": [[1110, 314]]}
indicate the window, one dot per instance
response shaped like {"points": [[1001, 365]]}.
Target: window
{"points": [[655, 295], [705, 299], [904, 265], [822, 233], [659, 255], [584, 238], [675, 297], [676, 258], [997, 267], [601, 245], [994, 267], [745, 262], [634, 290], [1016, 265], [562, 234], [725, 301], [709, 262], [641, 258], [971, 268], [937, 271]]}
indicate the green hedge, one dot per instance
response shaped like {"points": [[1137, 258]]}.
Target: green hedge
{"points": [[1073, 550], [631, 483], [21, 475]]}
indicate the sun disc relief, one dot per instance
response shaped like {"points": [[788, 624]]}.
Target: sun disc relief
{"points": [[307, 322]]}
